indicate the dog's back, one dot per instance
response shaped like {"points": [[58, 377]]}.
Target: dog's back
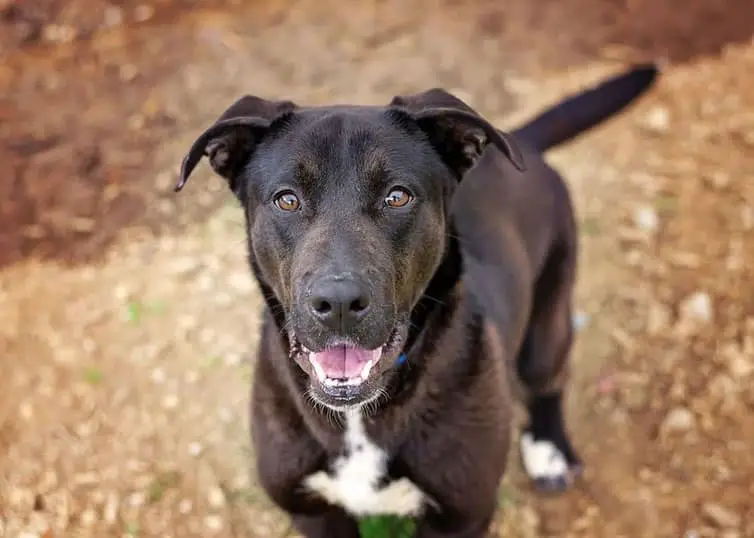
{"points": [[499, 211]]}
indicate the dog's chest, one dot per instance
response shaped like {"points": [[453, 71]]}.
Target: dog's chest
{"points": [[355, 480]]}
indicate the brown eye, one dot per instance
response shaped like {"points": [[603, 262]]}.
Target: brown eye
{"points": [[287, 201], [398, 197]]}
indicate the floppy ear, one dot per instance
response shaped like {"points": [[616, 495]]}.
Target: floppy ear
{"points": [[230, 141], [456, 131]]}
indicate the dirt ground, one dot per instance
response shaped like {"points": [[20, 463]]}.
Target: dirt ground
{"points": [[128, 315]]}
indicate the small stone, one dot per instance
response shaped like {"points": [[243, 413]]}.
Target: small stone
{"points": [[646, 219], [657, 120], [128, 72], [678, 420], [26, 410], [580, 320], [747, 217], [205, 282], [187, 322], [158, 376], [185, 506], [143, 12], [110, 513], [696, 308], [195, 449], [113, 16], [184, 266], [658, 318], [718, 179], [207, 336], [233, 359], [137, 499], [88, 517], [688, 260], [170, 401], [213, 523], [225, 415], [740, 364], [722, 387], [529, 518], [135, 122], [121, 292], [720, 516], [216, 498], [241, 282]]}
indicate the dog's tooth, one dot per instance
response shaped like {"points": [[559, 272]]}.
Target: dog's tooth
{"points": [[367, 368], [321, 375]]}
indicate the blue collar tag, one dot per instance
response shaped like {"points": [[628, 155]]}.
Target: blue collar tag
{"points": [[402, 358]]}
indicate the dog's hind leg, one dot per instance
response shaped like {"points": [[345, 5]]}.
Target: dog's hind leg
{"points": [[542, 366]]}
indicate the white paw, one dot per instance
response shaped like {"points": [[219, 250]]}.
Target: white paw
{"points": [[322, 484], [542, 459], [401, 497]]}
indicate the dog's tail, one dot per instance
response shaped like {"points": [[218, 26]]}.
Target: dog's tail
{"points": [[576, 114]]}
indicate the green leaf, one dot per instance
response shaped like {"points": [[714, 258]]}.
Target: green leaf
{"points": [[93, 375], [387, 527], [134, 311], [164, 481]]}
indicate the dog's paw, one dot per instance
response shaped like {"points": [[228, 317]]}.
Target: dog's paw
{"points": [[402, 497], [322, 484], [546, 465]]}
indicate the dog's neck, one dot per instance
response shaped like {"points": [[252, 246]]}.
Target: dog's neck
{"points": [[438, 292]]}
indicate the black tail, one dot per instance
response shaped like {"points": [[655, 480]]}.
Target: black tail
{"points": [[581, 112]]}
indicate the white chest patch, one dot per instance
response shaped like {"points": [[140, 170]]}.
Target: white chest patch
{"points": [[354, 482]]}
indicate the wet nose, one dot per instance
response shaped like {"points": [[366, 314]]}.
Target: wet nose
{"points": [[339, 304]]}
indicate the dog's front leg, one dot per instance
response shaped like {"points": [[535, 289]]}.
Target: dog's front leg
{"points": [[458, 462], [284, 458], [461, 503], [282, 468], [286, 454]]}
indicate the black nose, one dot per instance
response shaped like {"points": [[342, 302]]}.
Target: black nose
{"points": [[339, 303]]}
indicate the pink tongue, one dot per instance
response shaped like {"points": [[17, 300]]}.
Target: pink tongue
{"points": [[342, 362]]}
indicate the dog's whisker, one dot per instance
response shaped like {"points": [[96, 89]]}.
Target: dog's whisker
{"points": [[435, 299]]}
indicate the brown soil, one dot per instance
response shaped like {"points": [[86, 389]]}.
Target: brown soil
{"points": [[129, 315]]}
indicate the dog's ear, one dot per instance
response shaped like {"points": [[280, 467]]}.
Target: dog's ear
{"points": [[456, 131], [230, 141]]}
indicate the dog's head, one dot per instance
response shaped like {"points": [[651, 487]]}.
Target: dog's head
{"points": [[347, 220]]}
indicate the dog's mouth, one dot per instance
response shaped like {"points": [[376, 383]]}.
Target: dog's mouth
{"points": [[343, 365], [342, 369]]}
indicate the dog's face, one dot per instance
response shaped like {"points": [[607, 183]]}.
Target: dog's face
{"points": [[347, 223]]}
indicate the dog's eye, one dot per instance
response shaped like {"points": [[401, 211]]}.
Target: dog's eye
{"points": [[398, 197], [287, 201]]}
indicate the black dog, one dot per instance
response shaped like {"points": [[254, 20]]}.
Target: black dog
{"points": [[409, 255]]}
